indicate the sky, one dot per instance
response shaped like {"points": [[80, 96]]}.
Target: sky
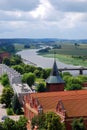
{"points": [[66, 19]]}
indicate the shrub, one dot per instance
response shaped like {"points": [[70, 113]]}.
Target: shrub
{"points": [[10, 111]]}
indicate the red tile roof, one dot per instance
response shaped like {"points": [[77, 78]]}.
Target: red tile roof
{"points": [[76, 107], [75, 102]]}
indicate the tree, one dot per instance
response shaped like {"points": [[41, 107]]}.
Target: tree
{"points": [[22, 123], [38, 120], [29, 78], [9, 124], [66, 74], [29, 68], [6, 61], [5, 80], [47, 121], [16, 105], [41, 87], [15, 60], [6, 96], [37, 73], [73, 83], [52, 121], [78, 124], [76, 45], [74, 87], [18, 68], [1, 126], [83, 78], [46, 73]]}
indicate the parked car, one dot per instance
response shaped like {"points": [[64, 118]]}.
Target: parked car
{"points": [[4, 117]]}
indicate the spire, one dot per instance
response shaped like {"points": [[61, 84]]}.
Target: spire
{"points": [[54, 71], [54, 76]]}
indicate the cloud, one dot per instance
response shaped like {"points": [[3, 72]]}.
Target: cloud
{"points": [[43, 18], [15, 16], [70, 5], [24, 5]]}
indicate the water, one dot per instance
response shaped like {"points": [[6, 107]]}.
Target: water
{"points": [[44, 62]]}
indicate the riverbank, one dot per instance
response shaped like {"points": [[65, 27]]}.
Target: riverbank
{"points": [[68, 59], [45, 62], [68, 54], [39, 60]]}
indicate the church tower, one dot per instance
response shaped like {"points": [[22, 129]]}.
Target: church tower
{"points": [[54, 82]]}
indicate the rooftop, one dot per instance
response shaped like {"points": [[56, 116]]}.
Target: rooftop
{"points": [[22, 88], [73, 101], [54, 76]]}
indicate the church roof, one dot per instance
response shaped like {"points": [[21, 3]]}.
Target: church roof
{"points": [[74, 102], [76, 107], [54, 76]]}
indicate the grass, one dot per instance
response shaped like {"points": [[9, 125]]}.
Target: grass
{"points": [[70, 54], [19, 47], [38, 80]]}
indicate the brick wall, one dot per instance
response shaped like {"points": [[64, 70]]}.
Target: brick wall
{"points": [[55, 87]]}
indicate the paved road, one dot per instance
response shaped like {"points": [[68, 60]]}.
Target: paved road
{"points": [[2, 109]]}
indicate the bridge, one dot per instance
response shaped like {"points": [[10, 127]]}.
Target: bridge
{"points": [[81, 69]]}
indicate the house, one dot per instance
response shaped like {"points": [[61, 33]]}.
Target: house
{"points": [[67, 104], [54, 82], [3, 55]]}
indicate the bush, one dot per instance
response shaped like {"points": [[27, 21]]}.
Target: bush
{"points": [[74, 87], [29, 78], [41, 87], [5, 80], [10, 111]]}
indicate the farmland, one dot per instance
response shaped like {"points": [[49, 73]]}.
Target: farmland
{"points": [[70, 54]]}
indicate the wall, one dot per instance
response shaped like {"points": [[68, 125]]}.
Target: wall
{"points": [[55, 87]]}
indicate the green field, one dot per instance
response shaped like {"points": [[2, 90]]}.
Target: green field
{"points": [[18, 46], [70, 54]]}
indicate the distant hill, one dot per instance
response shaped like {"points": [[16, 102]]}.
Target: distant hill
{"points": [[43, 41]]}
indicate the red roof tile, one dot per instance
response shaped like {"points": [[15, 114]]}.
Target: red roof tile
{"points": [[75, 102]]}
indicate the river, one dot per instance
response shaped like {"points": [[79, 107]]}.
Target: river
{"points": [[44, 62]]}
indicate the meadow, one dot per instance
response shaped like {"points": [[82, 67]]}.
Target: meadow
{"points": [[70, 54]]}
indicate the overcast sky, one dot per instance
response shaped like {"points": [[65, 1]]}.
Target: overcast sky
{"points": [[43, 19]]}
